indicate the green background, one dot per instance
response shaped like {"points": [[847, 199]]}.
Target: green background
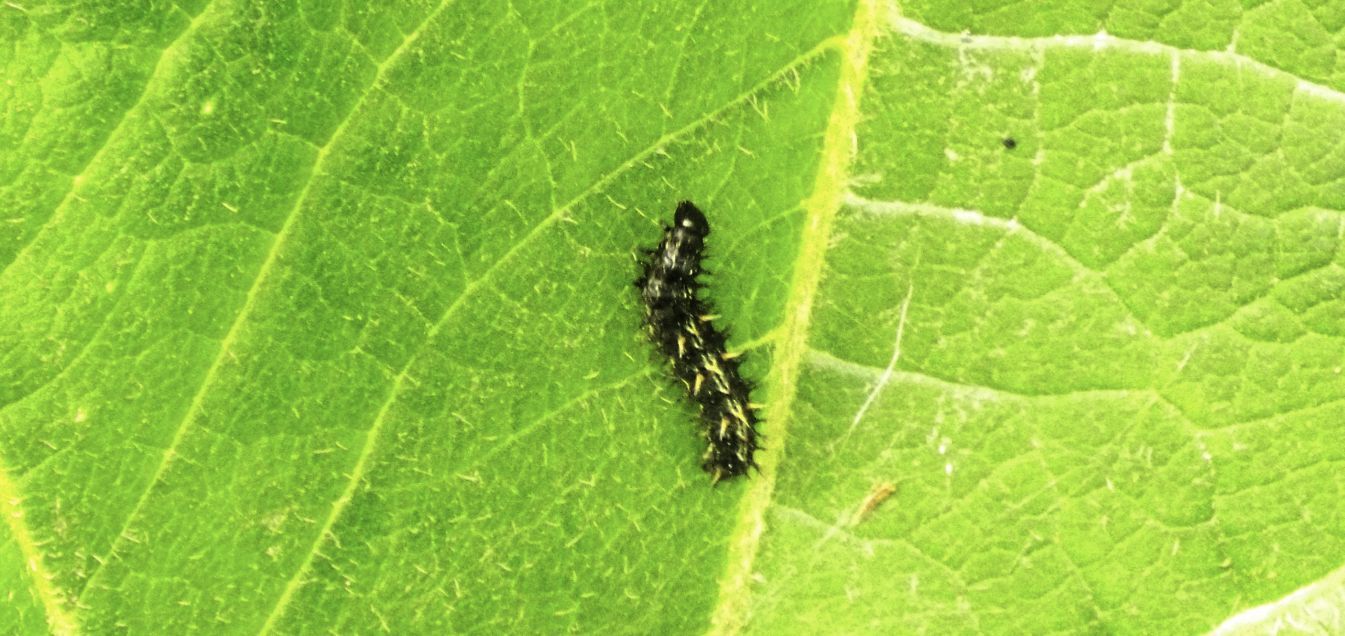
{"points": [[317, 316]]}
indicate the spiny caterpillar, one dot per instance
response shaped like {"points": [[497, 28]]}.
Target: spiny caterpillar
{"points": [[678, 321]]}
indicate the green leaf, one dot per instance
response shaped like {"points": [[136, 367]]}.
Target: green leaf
{"points": [[317, 317]]}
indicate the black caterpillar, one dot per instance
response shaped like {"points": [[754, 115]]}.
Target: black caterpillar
{"points": [[678, 321]]}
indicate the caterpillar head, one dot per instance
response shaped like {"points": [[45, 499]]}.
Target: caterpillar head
{"points": [[690, 219]]}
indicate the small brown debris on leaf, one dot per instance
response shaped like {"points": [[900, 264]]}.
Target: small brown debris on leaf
{"points": [[876, 497]]}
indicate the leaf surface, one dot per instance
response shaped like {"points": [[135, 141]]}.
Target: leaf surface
{"points": [[317, 316]]}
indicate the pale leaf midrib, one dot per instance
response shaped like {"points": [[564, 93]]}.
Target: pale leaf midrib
{"points": [[730, 614]]}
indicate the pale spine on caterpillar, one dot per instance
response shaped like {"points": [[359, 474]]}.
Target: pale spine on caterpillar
{"points": [[680, 323]]}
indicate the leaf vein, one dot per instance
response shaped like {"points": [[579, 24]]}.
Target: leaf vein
{"points": [[159, 66], [249, 302], [61, 621], [920, 32]]}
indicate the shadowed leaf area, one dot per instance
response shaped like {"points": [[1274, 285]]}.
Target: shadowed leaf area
{"points": [[317, 317]]}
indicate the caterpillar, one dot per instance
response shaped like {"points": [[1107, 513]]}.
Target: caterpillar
{"points": [[681, 325]]}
